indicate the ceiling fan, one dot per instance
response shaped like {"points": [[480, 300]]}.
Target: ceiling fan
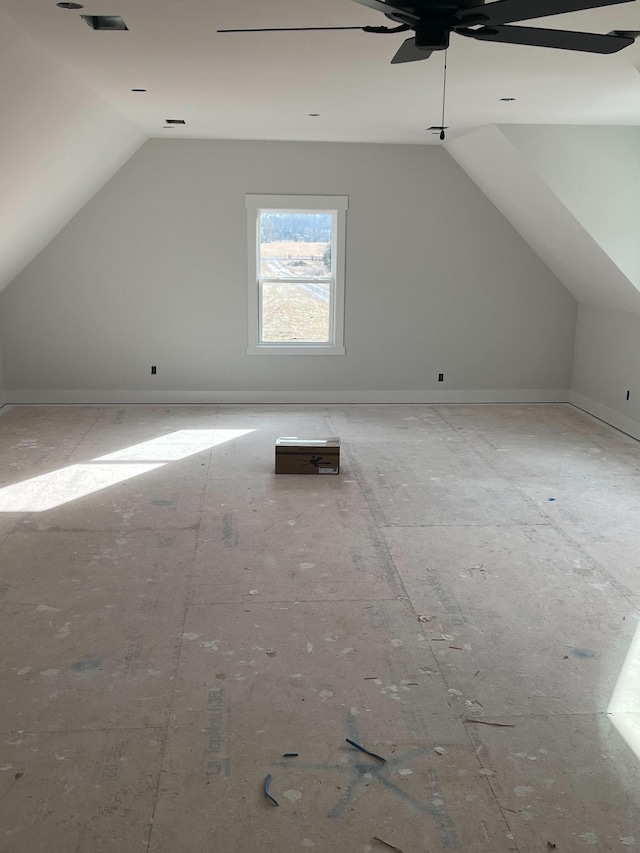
{"points": [[433, 21]]}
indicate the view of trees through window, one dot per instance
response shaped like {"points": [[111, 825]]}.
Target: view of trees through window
{"points": [[296, 245]]}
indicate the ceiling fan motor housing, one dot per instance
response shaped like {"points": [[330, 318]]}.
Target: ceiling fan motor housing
{"points": [[432, 37]]}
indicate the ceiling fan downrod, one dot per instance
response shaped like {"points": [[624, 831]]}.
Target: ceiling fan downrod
{"points": [[444, 98]]}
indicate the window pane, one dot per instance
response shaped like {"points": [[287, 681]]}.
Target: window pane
{"points": [[296, 311], [295, 245]]}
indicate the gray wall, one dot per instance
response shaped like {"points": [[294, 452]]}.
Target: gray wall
{"points": [[153, 271], [3, 395], [607, 365]]}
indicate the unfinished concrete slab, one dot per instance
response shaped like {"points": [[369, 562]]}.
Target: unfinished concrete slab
{"points": [[462, 601]]}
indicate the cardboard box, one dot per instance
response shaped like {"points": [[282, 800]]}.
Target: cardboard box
{"points": [[307, 455]]}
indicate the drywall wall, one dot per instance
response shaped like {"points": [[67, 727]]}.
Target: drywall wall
{"points": [[153, 271], [607, 365], [59, 145], [572, 193], [3, 395], [595, 172]]}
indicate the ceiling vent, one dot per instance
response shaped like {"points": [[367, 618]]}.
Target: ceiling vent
{"points": [[105, 22]]}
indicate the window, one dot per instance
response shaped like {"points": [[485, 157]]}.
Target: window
{"points": [[296, 274]]}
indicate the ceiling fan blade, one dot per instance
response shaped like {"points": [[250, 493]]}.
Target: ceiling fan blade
{"points": [[410, 53], [407, 10], [507, 11], [561, 39], [289, 29]]}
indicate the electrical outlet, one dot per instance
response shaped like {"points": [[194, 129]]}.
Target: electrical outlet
{"points": [[441, 377], [153, 370]]}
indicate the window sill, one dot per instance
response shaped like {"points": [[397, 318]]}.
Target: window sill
{"points": [[274, 349]]}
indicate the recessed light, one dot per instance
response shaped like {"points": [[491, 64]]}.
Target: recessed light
{"points": [[69, 5], [175, 121], [139, 90], [507, 99], [105, 22]]}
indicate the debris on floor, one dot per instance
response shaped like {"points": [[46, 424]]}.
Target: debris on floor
{"points": [[290, 755], [267, 782], [362, 749], [489, 723], [422, 618], [271, 652], [387, 844], [439, 749]]}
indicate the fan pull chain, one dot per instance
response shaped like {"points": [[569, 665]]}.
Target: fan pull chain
{"points": [[444, 97]]}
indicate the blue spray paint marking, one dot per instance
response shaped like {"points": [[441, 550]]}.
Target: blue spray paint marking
{"points": [[356, 769], [3, 591], [171, 504], [584, 653]]}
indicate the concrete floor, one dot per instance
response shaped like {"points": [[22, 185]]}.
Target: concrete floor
{"points": [[175, 618]]}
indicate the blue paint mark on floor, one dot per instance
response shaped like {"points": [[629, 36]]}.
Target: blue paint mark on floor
{"points": [[585, 653]]}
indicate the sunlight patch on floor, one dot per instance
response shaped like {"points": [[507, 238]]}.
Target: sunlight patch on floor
{"points": [[56, 488], [624, 708]]}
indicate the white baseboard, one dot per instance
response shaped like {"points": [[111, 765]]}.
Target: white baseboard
{"points": [[604, 413], [149, 397]]}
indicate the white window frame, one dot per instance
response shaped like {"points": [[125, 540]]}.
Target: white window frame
{"points": [[337, 206]]}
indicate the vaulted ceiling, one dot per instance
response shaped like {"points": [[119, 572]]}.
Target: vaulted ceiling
{"points": [[71, 118], [265, 85]]}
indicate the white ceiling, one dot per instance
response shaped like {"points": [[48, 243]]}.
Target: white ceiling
{"points": [[263, 86]]}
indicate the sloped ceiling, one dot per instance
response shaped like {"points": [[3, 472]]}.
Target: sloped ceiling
{"points": [[71, 119], [595, 173], [59, 144], [565, 217]]}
